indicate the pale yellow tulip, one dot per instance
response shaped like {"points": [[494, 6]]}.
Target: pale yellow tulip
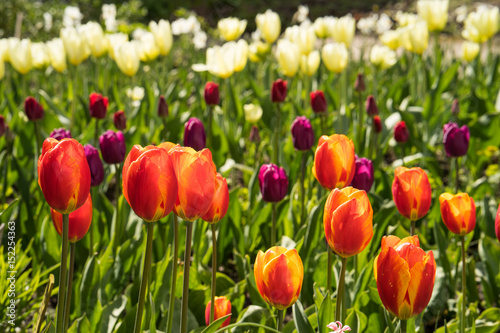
{"points": [[309, 64], [269, 24], [335, 57], [288, 55], [231, 28], [470, 50], [343, 30], [162, 33], [93, 35], [20, 56], [434, 12], [57, 54], [382, 56], [253, 113], [40, 55], [76, 48], [482, 24], [127, 58], [303, 36]]}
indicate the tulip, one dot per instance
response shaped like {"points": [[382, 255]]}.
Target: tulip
{"points": [[456, 139], [269, 25], [278, 91], [63, 174], [75, 46], [127, 58], [112, 146], [162, 33], [93, 36], [334, 161], [33, 109], [194, 134], [39, 55], [220, 202], [309, 64], [377, 124], [20, 56], [211, 93], [302, 133], [2, 68], [482, 24], [120, 120], [497, 224], [253, 113], [382, 57], [241, 55], [273, 183], [57, 54], [79, 221], [254, 134], [279, 274], [435, 13], [323, 26], [411, 192], [406, 19], [405, 276], [162, 107], [303, 36], [335, 57], [363, 177], [371, 106], [318, 101], [114, 41], [3, 126], [60, 133], [258, 50], [231, 28], [415, 37], [98, 105], [136, 94], [343, 30], [146, 47], [391, 39], [401, 133], [95, 165], [359, 84], [470, 50], [455, 107], [458, 212], [222, 308], [288, 55]]}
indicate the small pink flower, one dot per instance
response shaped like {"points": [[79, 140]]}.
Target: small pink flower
{"points": [[337, 327]]}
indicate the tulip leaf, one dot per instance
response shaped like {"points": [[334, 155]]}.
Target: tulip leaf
{"points": [[301, 322], [356, 320], [215, 324], [326, 314]]}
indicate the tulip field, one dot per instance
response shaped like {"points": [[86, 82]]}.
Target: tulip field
{"points": [[314, 174]]}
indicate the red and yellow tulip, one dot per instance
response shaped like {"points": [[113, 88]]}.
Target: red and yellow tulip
{"points": [[334, 161], [79, 221], [411, 191], [458, 212], [405, 276], [220, 202], [222, 308], [348, 221], [279, 274], [64, 174]]}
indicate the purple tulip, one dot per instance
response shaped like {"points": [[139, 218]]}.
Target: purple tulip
{"points": [[363, 177], [273, 183], [60, 133], [33, 109], [254, 134], [3, 126], [95, 165], [112, 146], [302, 133], [371, 106], [456, 139], [194, 134]]}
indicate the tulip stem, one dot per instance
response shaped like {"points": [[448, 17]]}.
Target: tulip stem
{"points": [[145, 277], [37, 137], [457, 168], [96, 133], [340, 289], [280, 320], [462, 319], [302, 191], [209, 127], [276, 135], [62, 276], [412, 228], [185, 286], [273, 228], [174, 275], [360, 122], [329, 272], [70, 285], [91, 228], [214, 271], [403, 326]]}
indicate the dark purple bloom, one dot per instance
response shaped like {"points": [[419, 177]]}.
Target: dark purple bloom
{"points": [[33, 109], [359, 84], [371, 106], [273, 183], [112, 146], [95, 165], [194, 134], [60, 133], [302, 133], [162, 107], [120, 120], [456, 139], [363, 177], [254, 134], [3, 126]]}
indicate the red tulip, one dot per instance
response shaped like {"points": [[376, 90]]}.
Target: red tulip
{"points": [[458, 212], [79, 221], [162, 107], [212, 93], [401, 133], [411, 192], [33, 109], [377, 124], [318, 101], [222, 308], [98, 105], [120, 120], [278, 91]]}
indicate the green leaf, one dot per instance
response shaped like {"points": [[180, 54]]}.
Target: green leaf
{"points": [[326, 314], [301, 322], [215, 324]]}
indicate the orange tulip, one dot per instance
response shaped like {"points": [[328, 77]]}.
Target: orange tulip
{"points": [[222, 308], [334, 161], [195, 173], [168, 145], [405, 276], [64, 174], [348, 221], [411, 191], [279, 274], [149, 182], [79, 221], [220, 202], [458, 212]]}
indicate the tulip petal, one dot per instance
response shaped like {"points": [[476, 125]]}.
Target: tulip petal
{"points": [[282, 282], [423, 274]]}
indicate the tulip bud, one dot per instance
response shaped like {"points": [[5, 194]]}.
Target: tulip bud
{"points": [[377, 124], [98, 105], [79, 221], [95, 165], [456, 139], [2, 125], [253, 113], [318, 101], [222, 308], [458, 212], [120, 120], [359, 84], [371, 106], [302, 134], [401, 133], [194, 134], [363, 177], [254, 134], [33, 109], [60, 133], [112, 146], [162, 107], [212, 93], [455, 107], [278, 91], [273, 183]]}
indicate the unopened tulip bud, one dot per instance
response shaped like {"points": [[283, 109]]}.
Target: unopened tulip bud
{"points": [[278, 91], [212, 93], [60, 133], [162, 107], [456, 139], [273, 183], [112, 146], [194, 134], [455, 107], [302, 134], [120, 120], [318, 101], [222, 308], [254, 134], [98, 105], [33, 109], [371, 106], [401, 133], [377, 124], [95, 165], [2, 125], [359, 84], [363, 177]]}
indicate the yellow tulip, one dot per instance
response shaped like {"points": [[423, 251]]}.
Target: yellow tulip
{"points": [[434, 12], [147, 48], [406, 19], [20, 56], [382, 57], [115, 40], [127, 58], [303, 36], [253, 113], [76, 48], [415, 37], [482, 24], [39, 55], [93, 35], [470, 50], [309, 63], [288, 55], [6, 45], [335, 57], [2, 68], [240, 55], [231, 28], [162, 33], [257, 51], [269, 24], [221, 59], [323, 26], [57, 54], [343, 30], [390, 38]]}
